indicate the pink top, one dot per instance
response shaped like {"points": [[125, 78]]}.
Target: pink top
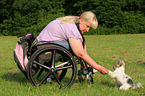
{"points": [[55, 31]]}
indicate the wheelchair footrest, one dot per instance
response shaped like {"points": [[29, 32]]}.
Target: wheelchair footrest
{"points": [[86, 74]]}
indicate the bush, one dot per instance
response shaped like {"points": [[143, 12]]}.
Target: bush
{"points": [[114, 16]]}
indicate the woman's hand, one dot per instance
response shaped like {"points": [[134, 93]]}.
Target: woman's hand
{"points": [[103, 70]]}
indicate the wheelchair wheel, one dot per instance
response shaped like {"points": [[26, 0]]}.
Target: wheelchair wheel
{"points": [[52, 61]]}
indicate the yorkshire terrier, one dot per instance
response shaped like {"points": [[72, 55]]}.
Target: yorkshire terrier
{"points": [[123, 81]]}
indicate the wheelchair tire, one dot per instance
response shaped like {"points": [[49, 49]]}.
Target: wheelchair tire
{"points": [[54, 62]]}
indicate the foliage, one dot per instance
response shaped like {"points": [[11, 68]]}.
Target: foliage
{"points": [[25, 14], [114, 16]]}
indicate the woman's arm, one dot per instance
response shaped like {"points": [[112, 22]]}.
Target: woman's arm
{"points": [[79, 51]]}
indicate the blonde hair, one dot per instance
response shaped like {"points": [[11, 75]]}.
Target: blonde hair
{"points": [[68, 19], [88, 16]]}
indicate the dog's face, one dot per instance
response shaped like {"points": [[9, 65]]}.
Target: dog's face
{"points": [[118, 64]]}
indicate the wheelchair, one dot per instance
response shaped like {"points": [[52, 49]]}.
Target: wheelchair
{"points": [[52, 62]]}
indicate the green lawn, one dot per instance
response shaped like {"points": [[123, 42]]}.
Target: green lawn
{"points": [[104, 49]]}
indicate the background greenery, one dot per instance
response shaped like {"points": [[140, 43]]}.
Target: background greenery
{"points": [[104, 49], [114, 16]]}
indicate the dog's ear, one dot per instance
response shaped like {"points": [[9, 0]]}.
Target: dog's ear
{"points": [[123, 63], [118, 61]]}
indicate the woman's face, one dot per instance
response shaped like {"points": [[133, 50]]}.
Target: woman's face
{"points": [[84, 26]]}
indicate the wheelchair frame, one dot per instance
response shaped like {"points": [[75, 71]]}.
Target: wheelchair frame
{"points": [[52, 62]]}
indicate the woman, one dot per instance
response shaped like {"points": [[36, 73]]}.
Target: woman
{"points": [[68, 31]]}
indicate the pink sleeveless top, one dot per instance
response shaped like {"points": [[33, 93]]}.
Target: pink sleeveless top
{"points": [[55, 31]]}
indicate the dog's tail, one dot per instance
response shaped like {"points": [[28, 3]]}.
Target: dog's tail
{"points": [[137, 85]]}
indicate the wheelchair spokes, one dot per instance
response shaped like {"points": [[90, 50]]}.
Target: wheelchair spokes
{"points": [[53, 58], [53, 63], [35, 62], [44, 78]]}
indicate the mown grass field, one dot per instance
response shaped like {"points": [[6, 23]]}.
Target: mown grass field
{"points": [[104, 49]]}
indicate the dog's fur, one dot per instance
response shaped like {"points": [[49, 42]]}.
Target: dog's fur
{"points": [[123, 81]]}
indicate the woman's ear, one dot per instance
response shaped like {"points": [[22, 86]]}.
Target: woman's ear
{"points": [[81, 20], [123, 63]]}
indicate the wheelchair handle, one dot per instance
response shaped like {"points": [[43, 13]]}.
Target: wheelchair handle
{"points": [[25, 36], [20, 35]]}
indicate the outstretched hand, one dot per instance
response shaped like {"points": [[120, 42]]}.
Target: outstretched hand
{"points": [[104, 70]]}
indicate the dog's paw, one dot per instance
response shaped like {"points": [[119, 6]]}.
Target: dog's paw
{"points": [[125, 87], [110, 73]]}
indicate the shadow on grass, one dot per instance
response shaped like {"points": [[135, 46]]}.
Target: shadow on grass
{"points": [[21, 79], [141, 62], [103, 82], [109, 84], [17, 77]]}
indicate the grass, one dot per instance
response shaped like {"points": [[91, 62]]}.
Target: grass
{"points": [[104, 49]]}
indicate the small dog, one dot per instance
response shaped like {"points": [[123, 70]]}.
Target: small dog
{"points": [[123, 80]]}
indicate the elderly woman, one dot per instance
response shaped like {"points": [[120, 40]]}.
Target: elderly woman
{"points": [[68, 31]]}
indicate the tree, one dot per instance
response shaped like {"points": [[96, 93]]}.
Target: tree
{"points": [[114, 16], [19, 14]]}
